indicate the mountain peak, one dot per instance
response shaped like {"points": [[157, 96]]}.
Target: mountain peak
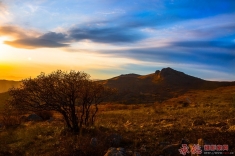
{"points": [[169, 71], [165, 72]]}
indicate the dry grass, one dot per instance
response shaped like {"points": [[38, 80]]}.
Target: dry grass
{"points": [[140, 125]]}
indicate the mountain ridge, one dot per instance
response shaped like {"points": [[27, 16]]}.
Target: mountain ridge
{"points": [[157, 86]]}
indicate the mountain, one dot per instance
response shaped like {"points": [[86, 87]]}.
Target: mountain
{"points": [[5, 85], [158, 86]]}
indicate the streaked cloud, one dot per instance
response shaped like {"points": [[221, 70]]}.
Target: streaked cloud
{"points": [[17, 32], [33, 43], [3, 12], [32, 39], [120, 36], [107, 34]]}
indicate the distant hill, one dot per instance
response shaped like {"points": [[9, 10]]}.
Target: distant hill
{"points": [[5, 85], [158, 86]]}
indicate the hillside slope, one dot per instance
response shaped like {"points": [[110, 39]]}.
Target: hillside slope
{"points": [[158, 86], [5, 85]]}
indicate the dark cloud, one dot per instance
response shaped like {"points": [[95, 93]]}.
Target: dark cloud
{"points": [[56, 37], [106, 34], [27, 41], [177, 55], [33, 43]]}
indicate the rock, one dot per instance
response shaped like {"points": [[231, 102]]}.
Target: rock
{"points": [[115, 152], [231, 122], [114, 140], [198, 122], [93, 142], [157, 72], [34, 117]]}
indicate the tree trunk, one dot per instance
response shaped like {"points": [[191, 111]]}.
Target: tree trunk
{"points": [[66, 118], [93, 116]]}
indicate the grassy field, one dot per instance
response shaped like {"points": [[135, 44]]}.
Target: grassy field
{"points": [[143, 125]]}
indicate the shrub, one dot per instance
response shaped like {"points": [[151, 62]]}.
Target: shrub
{"points": [[70, 94], [10, 117]]}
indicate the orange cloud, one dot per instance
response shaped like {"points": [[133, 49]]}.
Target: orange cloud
{"points": [[17, 32]]}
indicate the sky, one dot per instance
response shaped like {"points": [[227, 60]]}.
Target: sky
{"points": [[107, 38]]}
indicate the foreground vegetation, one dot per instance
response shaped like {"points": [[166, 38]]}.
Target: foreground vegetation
{"points": [[144, 128]]}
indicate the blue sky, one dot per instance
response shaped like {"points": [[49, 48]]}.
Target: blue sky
{"points": [[106, 38]]}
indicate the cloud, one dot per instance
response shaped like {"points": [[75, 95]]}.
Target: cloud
{"points": [[12, 31], [100, 34], [204, 33], [31, 39], [49, 40], [205, 44], [33, 43], [106, 34], [17, 32], [56, 37], [220, 59], [2, 6], [3, 9]]}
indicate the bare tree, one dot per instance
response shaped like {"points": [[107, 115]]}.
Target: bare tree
{"points": [[71, 94]]}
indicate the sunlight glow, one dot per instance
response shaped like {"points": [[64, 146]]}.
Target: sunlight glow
{"points": [[3, 48]]}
